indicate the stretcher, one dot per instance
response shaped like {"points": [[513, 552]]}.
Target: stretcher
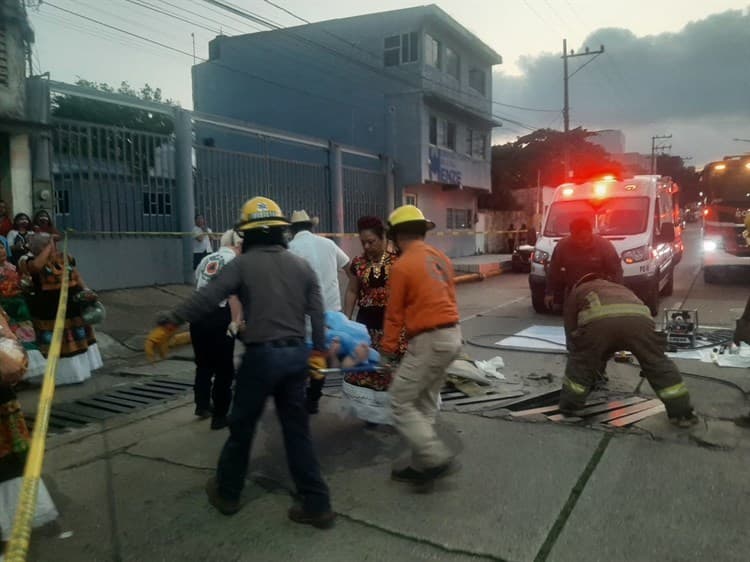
{"points": [[365, 391]]}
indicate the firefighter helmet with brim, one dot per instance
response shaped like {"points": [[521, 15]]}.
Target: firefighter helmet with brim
{"points": [[406, 217], [261, 212]]}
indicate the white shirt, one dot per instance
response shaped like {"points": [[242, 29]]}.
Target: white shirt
{"points": [[201, 246], [210, 266], [326, 258]]}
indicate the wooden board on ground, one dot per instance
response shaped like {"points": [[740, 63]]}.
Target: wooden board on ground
{"points": [[622, 412], [633, 418], [549, 409], [533, 411], [613, 405], [551, 394], [485, 398]]}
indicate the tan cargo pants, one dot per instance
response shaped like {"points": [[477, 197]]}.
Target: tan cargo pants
{"points": [[415, 392]]}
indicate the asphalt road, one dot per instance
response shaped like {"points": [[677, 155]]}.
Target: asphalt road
{"points": [[507, 296]]}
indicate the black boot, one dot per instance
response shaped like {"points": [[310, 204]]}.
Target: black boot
{"points": [[314, 392]]}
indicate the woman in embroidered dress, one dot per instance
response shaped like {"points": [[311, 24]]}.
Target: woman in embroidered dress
{"points": [[45, 265], [14, 438], [368, 278], [19, 317]]}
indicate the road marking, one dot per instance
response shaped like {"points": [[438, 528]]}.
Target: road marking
{"points": [[514, 301]]}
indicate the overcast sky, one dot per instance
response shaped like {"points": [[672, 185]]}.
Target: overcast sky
{"points": [[671, 66]]}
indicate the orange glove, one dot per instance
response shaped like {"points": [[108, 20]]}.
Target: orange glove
{"points": [[158, 341], [316, 363]]}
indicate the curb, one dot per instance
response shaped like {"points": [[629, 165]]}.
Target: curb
{"points": [[505, 267]]}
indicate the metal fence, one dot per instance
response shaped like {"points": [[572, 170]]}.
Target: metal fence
{"points": [[224, 180], [112, 179], [364, 194]]}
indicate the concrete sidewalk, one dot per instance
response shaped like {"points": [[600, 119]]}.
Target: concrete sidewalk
{"points": [[135, 493]]}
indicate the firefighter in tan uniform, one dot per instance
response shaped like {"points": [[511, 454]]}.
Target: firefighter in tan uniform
{"points": [[606, 317]]}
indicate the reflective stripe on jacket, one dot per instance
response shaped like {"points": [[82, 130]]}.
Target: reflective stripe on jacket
{"points": [[603, 299]]}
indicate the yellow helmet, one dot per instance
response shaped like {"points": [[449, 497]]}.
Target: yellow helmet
{"points": [[261, 212], [408, 214]]}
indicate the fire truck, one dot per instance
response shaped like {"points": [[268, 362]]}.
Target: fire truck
{"points": [[726, 188]]}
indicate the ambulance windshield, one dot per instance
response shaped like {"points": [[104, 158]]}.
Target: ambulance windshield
{"points": [[619, 216]]}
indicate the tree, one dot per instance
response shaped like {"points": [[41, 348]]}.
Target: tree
{"points": [[685, 176], [105, 113], [540, 156], [133, 146]]}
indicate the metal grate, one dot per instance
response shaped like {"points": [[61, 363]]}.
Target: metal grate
{"points": [[113, 402]]}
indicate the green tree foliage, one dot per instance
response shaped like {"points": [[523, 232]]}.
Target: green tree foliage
{"points": [[540, 156], [104, 113], [685, 176]]}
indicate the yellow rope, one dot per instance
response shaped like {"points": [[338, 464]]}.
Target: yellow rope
{"points": [[19, 540]]}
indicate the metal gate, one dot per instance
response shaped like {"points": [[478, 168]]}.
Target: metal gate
{"points": [[112, 179], [225, 179], [364, 195]]}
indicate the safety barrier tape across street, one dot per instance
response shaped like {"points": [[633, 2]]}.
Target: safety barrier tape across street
{"points": [[217, 235], [19, 541]]}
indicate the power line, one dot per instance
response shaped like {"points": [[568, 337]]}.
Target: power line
{"points": [[160, 11], [224, 15], [283, 9], [408, 76], [292, 56], [180, 51]]}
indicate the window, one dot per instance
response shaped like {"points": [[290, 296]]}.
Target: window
{"points": [[476, 144], [401, 49], [442, 133], [157, 204], [476, 80], [459, 219], [450, 137], [3, 56], [432, 54], [62, 197], [392, 51], [410, 199], [452, 63]]}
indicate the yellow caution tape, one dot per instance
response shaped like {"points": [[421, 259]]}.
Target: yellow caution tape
{"points": [[19, 540], [324, 234]]}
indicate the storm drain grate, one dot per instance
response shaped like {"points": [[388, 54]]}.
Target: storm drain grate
{"points": [[458, 401], [113, 402]]}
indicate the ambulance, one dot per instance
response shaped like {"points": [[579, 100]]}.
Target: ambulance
{"points": [[639, 215]]}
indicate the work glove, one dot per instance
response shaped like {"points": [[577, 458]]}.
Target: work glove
{"points": [[157, 341], [316, 363], [233, 329]]}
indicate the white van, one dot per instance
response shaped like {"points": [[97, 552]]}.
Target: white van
{"points": [[637, 214]]}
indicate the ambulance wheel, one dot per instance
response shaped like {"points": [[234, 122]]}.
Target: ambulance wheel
{"points": [[537, 301], [651, 299], [669, 287], [711, 275]]}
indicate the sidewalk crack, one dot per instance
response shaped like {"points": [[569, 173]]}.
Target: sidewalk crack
{"points": [[575, 494]]}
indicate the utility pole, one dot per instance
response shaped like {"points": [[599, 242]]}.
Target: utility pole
{"points": [[655, 146], [566, 96], [194, 58]]}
